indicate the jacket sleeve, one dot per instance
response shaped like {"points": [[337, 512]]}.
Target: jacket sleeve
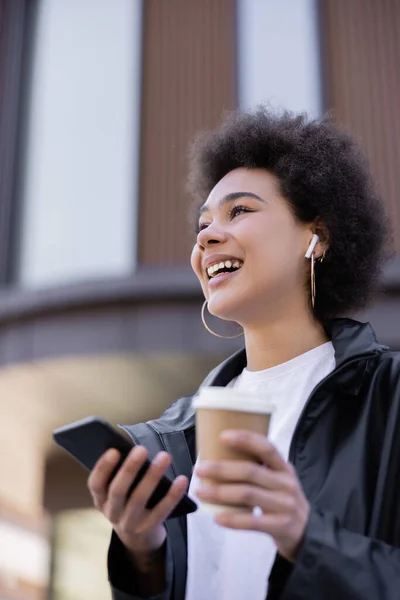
{"points": [[121, 573], [336, 563]]}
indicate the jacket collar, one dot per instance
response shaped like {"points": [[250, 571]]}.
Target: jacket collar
{"points": [[354, 345], [351, 339]]}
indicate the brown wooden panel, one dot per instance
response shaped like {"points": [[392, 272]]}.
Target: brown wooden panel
{"points": [[361, 49], [189, 78], [65, 485]]}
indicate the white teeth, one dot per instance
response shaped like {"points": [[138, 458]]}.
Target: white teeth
{"points": [[228, 264]]}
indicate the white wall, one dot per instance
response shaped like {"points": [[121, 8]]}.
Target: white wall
{"points": [[80, 188], [278, 54], [23, 556]]}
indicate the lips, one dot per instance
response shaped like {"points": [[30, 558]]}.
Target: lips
{"points": [[220, 278]]}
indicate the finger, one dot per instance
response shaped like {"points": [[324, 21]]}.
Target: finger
{"points": [[100, 476], [269, 523], [164, 508], [129, 469], [243, 471], [120, 485], [140, 496], [246, 495], [258, 446]]}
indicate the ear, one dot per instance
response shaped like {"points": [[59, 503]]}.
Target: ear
{"points": [[319, 227]]}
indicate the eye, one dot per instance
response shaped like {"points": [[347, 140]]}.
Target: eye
{"points": [[233, 212], [200, 227], [238, 210]]}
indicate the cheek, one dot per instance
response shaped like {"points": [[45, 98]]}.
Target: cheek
{"points": [[275, 246], [195, 261], [266, 241]]}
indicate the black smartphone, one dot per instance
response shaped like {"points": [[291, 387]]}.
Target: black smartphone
{"points": [[89, 438]]}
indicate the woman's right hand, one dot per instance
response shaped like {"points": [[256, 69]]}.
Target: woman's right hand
{"points": [[141, 531]]}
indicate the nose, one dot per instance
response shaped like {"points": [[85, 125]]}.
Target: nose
{"points": [[210, 235]]}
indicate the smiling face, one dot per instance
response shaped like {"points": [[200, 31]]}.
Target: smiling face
{"points": [[249, 255]]}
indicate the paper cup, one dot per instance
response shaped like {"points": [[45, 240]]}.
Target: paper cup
{"points": [[221, 408]]}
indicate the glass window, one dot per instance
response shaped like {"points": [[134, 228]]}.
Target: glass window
{"points": [[278, 54], [81, 151]]}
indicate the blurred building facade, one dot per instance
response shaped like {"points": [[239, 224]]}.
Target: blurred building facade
{"points": [[99, 311]]}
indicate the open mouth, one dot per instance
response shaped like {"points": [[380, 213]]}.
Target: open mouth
{"points": [[227, 266]]}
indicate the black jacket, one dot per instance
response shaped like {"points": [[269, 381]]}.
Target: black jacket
{"points": [[346, 451]]}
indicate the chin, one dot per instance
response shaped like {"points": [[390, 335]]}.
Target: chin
{"points": [[226, 309]]}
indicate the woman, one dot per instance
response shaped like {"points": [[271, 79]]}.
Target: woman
{"points": [[291, 236]]}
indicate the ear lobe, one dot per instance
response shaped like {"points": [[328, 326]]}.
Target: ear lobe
{"points": [[324, 238]]}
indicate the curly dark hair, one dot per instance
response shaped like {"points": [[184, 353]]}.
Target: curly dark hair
{"points": [[322, 174]]}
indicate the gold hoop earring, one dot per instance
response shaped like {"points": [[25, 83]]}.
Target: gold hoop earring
{"points": [[313, 287], [313, 283], [225, 337]]}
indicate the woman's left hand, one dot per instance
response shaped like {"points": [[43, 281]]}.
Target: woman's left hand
{"points": [[272, 485]]}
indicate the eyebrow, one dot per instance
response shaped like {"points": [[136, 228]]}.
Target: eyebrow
{"points": [[231, 198]]}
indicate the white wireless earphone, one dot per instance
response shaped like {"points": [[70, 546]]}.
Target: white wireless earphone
{"points": [[313, 243]]}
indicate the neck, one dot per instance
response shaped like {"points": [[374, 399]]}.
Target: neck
{"points": [[272, 343]]}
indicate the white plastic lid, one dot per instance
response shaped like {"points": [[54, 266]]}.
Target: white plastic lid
{"points": [[223, 398]]}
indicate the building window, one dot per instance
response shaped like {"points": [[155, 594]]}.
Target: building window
{"points": [[278, 55], [80, 180]]}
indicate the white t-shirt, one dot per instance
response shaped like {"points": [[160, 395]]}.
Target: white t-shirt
{"points": [[226, 564]]}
